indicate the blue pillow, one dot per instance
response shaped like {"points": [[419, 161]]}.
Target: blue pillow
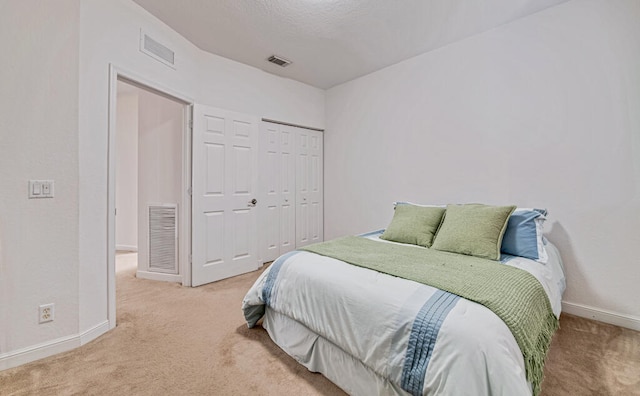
{"points": [[523, 236]]}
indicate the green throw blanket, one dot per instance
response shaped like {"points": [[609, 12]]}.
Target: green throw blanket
{"points": [[513, 294]]}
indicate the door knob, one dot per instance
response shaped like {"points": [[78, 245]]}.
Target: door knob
{"points": [[253, 202]]}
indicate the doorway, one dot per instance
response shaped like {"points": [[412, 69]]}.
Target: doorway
{"points": [[149, 182]]}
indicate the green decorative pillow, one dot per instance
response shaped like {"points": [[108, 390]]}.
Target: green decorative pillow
{"points": [[474, 230], [414, 224]]}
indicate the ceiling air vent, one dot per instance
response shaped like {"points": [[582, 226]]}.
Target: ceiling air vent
{"points": [[279, 61], [156, 50]]}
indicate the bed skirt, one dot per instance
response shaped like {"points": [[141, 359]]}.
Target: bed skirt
{"points": [[322, 356]]}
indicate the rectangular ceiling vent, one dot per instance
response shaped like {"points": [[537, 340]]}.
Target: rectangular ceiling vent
{"points": [[278, 60], [156, 50]]}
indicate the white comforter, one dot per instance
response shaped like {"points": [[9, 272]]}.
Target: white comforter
{"points": [[468, 350]]}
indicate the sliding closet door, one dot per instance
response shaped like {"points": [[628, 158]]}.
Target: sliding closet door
{"points": [[277, 176], [309, 185]]}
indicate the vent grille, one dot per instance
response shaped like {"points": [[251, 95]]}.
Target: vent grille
{"points": [[278, 60], [156, 50], [163, 238]]}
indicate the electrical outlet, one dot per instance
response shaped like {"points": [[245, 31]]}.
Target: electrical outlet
{"points": [[47, 313]]}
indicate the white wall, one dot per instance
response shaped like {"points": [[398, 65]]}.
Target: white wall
{"points": [[109, 34], [541, 112], [54, 125], [38, 140], [160, 127], [127, 168]]}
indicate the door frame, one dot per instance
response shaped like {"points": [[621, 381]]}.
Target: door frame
{"points": [[117, 73]]}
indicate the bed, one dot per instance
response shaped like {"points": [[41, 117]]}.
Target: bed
{"points": [[372, 332]]}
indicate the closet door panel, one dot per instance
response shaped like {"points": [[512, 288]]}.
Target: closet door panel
{"points": [[288, 228], [309, 189], [287, 189], [272, 233], [277, 175], [291, 174], [270, 186]]}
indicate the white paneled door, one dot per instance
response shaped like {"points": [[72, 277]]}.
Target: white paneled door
{"points": [[277, 179], [309, 184], [224, 193]]}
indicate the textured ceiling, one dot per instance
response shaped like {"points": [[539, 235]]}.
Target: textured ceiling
{"points": [[333, 41]]}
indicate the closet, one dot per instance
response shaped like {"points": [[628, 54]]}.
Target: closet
{"points": [[291, 181]]}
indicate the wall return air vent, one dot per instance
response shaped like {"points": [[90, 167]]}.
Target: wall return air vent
{"points": [[156, 50], [278, 60], [163, 238]]}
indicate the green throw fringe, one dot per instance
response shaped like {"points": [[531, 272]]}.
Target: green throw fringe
{"points": [[534, 363]]}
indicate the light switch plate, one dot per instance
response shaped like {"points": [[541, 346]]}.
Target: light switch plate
{"points": [[40, 188]]}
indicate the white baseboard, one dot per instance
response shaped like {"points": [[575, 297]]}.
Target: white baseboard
{"points": [[602, 315], [128, 248], [94, 332], [159, 276], [50, 348]]}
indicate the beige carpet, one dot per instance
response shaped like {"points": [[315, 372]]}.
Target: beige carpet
{"points": [[172, 340]]}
